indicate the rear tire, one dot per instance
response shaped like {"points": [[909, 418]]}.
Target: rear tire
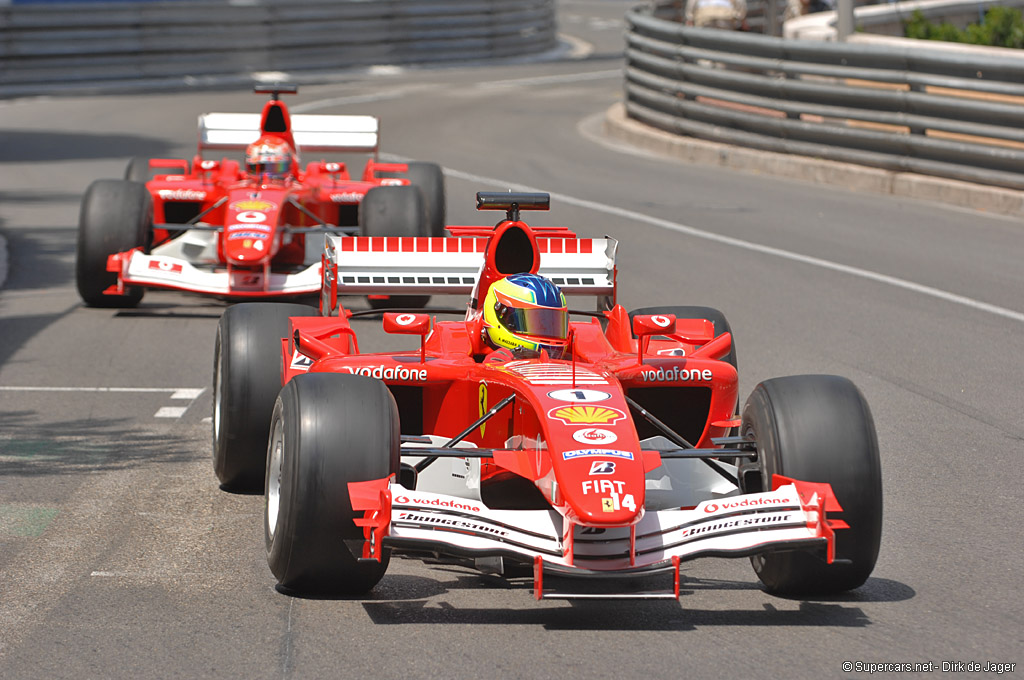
{"points": [[429, 179], [394, 211], [115, 216], [246, 380], [818, 428], [328, 430]]}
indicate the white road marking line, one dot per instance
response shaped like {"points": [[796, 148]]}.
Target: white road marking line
{"points": [[397, 93], [748, 245], [171, 412], [549, 80], [188, 393], [37, 388]]}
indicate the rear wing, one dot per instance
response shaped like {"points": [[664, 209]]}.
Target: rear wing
{"points": [[312, 132], [393, 265]]}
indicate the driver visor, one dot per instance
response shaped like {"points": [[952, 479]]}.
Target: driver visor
{"points": [[538, 322]]}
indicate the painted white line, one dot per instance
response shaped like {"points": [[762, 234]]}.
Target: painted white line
{"points": [[551, 80], [171, 412], [172, 390], [748, 245], [188, 393], [397, 93]]}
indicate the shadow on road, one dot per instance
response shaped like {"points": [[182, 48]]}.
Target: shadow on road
{"points": [[36, 448], [31, 146]]}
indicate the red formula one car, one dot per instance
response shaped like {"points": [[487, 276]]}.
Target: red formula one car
{"points": [[214, 227], [623, 458]]}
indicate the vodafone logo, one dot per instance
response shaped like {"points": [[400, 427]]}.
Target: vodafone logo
{"points": [[441, 503], [594, 435], [405, 319], [662, 321], [251, 216], [746, 503]]}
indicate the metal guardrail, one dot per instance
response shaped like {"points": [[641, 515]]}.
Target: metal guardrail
{"points": [[958, 115], [106, 42]]}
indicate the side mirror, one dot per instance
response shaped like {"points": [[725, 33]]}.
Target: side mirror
{"points": [[406, 324], [690, 331], [653, 324], [403, 323]]}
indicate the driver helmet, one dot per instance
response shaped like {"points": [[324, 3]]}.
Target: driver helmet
{"points": [[269, 157], [526, 313]]}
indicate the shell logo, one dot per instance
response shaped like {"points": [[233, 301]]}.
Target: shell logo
{"points": [[260, 206], [586, 415]]}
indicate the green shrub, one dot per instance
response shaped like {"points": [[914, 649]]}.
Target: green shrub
{"points": [[1002, 27]]}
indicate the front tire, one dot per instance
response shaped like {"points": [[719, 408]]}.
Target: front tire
{"points": [[116, 216], [328, 430], [246, 379], [818, 428], [394, 211]]}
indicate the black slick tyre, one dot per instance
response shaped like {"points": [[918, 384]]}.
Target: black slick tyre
{"points": [[246, 379], [818, 428], [328, 430], [115, 216], [429, 179], [394, 211]]}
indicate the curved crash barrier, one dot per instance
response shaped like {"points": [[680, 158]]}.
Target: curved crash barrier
{"points": [[956, 114]]}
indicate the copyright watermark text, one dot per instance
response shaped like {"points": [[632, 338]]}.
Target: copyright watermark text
{"points": [[870, 667]]}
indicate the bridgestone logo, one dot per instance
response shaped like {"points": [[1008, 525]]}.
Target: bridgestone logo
{"points": [[676, 374], [715, 527], [451, 522]]}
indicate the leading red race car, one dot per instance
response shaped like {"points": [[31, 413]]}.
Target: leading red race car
{"points": [[210, 226], [621, 459]]}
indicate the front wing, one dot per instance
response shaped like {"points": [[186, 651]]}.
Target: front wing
{"points": [[135, 268], [789, 518]]}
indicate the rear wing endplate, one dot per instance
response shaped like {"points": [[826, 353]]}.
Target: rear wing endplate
{"points": [[394, 265], [312, 132]]}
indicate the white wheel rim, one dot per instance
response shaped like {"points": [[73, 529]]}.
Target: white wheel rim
{"points": [[274, 478], [218, 388]]}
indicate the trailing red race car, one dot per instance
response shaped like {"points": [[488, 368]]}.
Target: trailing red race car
{"points": [[605, 447], [211, 226]]}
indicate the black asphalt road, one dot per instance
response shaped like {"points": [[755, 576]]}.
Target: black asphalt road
{"points": [[120, 557]]}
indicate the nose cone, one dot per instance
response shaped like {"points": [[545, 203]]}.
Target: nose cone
{"points": [[246, 247], [249, 230], [609, 491]]}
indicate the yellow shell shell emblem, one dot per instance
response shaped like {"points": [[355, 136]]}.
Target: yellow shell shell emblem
{"points": [[587, 415], [260, 206]]}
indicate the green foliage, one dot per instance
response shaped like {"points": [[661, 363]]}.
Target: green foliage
{"points": [[1002, 27]]}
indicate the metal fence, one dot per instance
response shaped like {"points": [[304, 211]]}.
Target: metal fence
{"points": [[945, 113], [52, 44]]}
